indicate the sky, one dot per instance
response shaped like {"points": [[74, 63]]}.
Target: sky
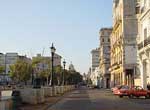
{"points": [[29, 27]]}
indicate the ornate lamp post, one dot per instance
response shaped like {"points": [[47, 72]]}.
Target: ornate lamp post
{"points": [[52, 54], [64, 64]]}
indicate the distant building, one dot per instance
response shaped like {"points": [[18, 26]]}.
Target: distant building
{"points": [[84, 77], [95, 77], [44, 63], [89, 73], [95, 59], [71, 67], [8, 59], [104, 60], [2, 59], [57, 60]]}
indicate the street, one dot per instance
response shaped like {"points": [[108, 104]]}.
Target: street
{"points": [[96, 99]]}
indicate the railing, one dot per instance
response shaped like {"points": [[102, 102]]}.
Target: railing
{"points": [[144, 43], [140, 45]]}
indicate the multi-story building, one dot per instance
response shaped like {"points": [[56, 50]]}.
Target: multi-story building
{"points": [[144, 42], [104, 60], [2, 60], [123, 42], [57, 60], [95, 59], [2, 65], [43, 63], [8, 59]]}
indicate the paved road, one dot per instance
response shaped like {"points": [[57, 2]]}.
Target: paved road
{"points": [[85, 99]]}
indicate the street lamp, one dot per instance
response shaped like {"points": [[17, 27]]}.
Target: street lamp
{"points": [[52, 55], [64, 64]]}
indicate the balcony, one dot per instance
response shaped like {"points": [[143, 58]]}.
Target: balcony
{"points": [[144, 43], [140, 45]]}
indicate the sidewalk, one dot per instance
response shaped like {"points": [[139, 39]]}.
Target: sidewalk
{"points": [[48, 103]]}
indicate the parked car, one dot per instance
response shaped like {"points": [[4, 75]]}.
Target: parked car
{"points": [[138, 91], [115, 88], [124, 90]]}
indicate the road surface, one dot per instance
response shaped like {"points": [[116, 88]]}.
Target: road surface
{"points": [[96, 99]]}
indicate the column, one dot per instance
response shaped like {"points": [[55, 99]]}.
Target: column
{"points": [[143, 74], [148, 70]]}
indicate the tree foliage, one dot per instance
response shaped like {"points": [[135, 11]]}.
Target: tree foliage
{"points": [[42, 68], [21, 71], [73, 77], [2, 69], [45, 72], [58, 74]]}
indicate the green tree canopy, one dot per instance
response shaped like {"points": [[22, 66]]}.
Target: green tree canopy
{"points": [[73, 77], [21, 71], [2, 69], [45, 72]]}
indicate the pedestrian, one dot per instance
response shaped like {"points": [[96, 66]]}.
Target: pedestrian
{"points": [[148, 86]]}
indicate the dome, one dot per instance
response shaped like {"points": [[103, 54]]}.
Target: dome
{"points": [[71, 67]]}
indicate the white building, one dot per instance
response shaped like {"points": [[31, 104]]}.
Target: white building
{"points": [[71, 67], [44, 63], [95, 59], [144, 43], [10, 58], [57, 60], [95, 77]]}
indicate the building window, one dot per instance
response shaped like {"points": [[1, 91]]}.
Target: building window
{"points": [[137, 9], [102, 39], [108, 40], [145, 33]]}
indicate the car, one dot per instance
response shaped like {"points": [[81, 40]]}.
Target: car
{"points": [[114, 88], [138, 91], [124, 90]]}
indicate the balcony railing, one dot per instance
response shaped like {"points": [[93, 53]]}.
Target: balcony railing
{"points": [[144, 43]]}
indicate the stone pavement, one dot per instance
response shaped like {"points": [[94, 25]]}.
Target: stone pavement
{"points": [[48, 103]]}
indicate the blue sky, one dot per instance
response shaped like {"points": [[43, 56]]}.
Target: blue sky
{"points": [[28, 26]]}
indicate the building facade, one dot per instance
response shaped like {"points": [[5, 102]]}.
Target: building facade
{"points": [[95, 59], [8, 59], [123, 42], [95, 77], [104, 60], [57, 60], [144, 43], [43, 64]]}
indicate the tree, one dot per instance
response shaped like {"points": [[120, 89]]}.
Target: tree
{"points": [[73, 77], [58, 74], [21, 71], [2, 69], [44, 72]]}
